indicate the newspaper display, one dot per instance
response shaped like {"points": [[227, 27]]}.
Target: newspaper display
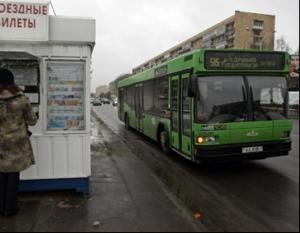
{"points": [[66, 97]]}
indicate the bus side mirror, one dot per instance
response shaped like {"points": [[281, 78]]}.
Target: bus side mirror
{"points": [[192, 87]]}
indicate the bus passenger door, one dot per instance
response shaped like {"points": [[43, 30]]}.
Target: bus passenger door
{"points": [[121, 104], [186, 118], [181, 123], [175, 119], [139, 107]]}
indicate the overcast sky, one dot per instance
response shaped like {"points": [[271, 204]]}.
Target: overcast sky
{"points": [[130, 32]]}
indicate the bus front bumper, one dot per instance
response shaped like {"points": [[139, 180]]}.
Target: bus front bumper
{"points": [[234, 152]]}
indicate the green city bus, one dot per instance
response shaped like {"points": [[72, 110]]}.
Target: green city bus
{"points": [[212, 105]]}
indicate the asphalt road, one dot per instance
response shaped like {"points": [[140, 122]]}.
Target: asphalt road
{"points": [[249, 196]]}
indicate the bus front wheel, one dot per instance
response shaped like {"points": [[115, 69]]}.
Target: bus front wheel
{"points": [[164, 141]]}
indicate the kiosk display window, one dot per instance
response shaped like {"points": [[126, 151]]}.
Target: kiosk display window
{"points": [[65, 107], [26, 74]]}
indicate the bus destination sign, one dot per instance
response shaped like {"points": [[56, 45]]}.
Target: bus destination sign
{"points": [[223, 60]]}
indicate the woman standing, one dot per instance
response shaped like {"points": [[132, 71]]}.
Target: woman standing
{"points": [[16, 153]]}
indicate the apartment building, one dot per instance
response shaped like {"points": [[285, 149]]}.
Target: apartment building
{"points": [[113, 86], [243, 30], [101, 90]]}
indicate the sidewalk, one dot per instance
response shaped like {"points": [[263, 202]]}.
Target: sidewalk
{"points": [[125, 197]]}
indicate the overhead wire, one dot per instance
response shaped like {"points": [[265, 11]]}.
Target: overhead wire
{"points": [[52, 8]]}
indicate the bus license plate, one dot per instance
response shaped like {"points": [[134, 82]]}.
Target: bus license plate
{"points": [[248, 150]]}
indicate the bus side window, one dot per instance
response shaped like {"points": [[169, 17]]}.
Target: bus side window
{"points": [[148, 96], [161, 96]]}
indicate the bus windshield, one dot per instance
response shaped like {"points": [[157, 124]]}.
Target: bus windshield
{"points": [[225, 99]]}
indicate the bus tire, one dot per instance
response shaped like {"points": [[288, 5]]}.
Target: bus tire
{"points": [[127, 125], [164, 141]]}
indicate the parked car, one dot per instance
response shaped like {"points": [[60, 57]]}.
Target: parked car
{"points": [[97, 102], [105, 101]]}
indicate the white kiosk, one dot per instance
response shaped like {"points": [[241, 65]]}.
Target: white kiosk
{"points": [[51, 58]]}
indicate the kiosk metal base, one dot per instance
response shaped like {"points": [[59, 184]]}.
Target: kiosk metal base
{"points": [[81, 185]]}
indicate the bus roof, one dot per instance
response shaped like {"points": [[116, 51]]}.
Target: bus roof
{"points": [[223, 61]]}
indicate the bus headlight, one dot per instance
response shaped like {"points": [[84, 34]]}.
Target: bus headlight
{"points": [[206, 140], [200, 140]]}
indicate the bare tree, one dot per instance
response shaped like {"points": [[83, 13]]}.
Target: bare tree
{"points": [[282, 45]]}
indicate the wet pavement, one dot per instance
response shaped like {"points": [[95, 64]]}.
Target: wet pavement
{"points": [[125, 197], [246, 196]]}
